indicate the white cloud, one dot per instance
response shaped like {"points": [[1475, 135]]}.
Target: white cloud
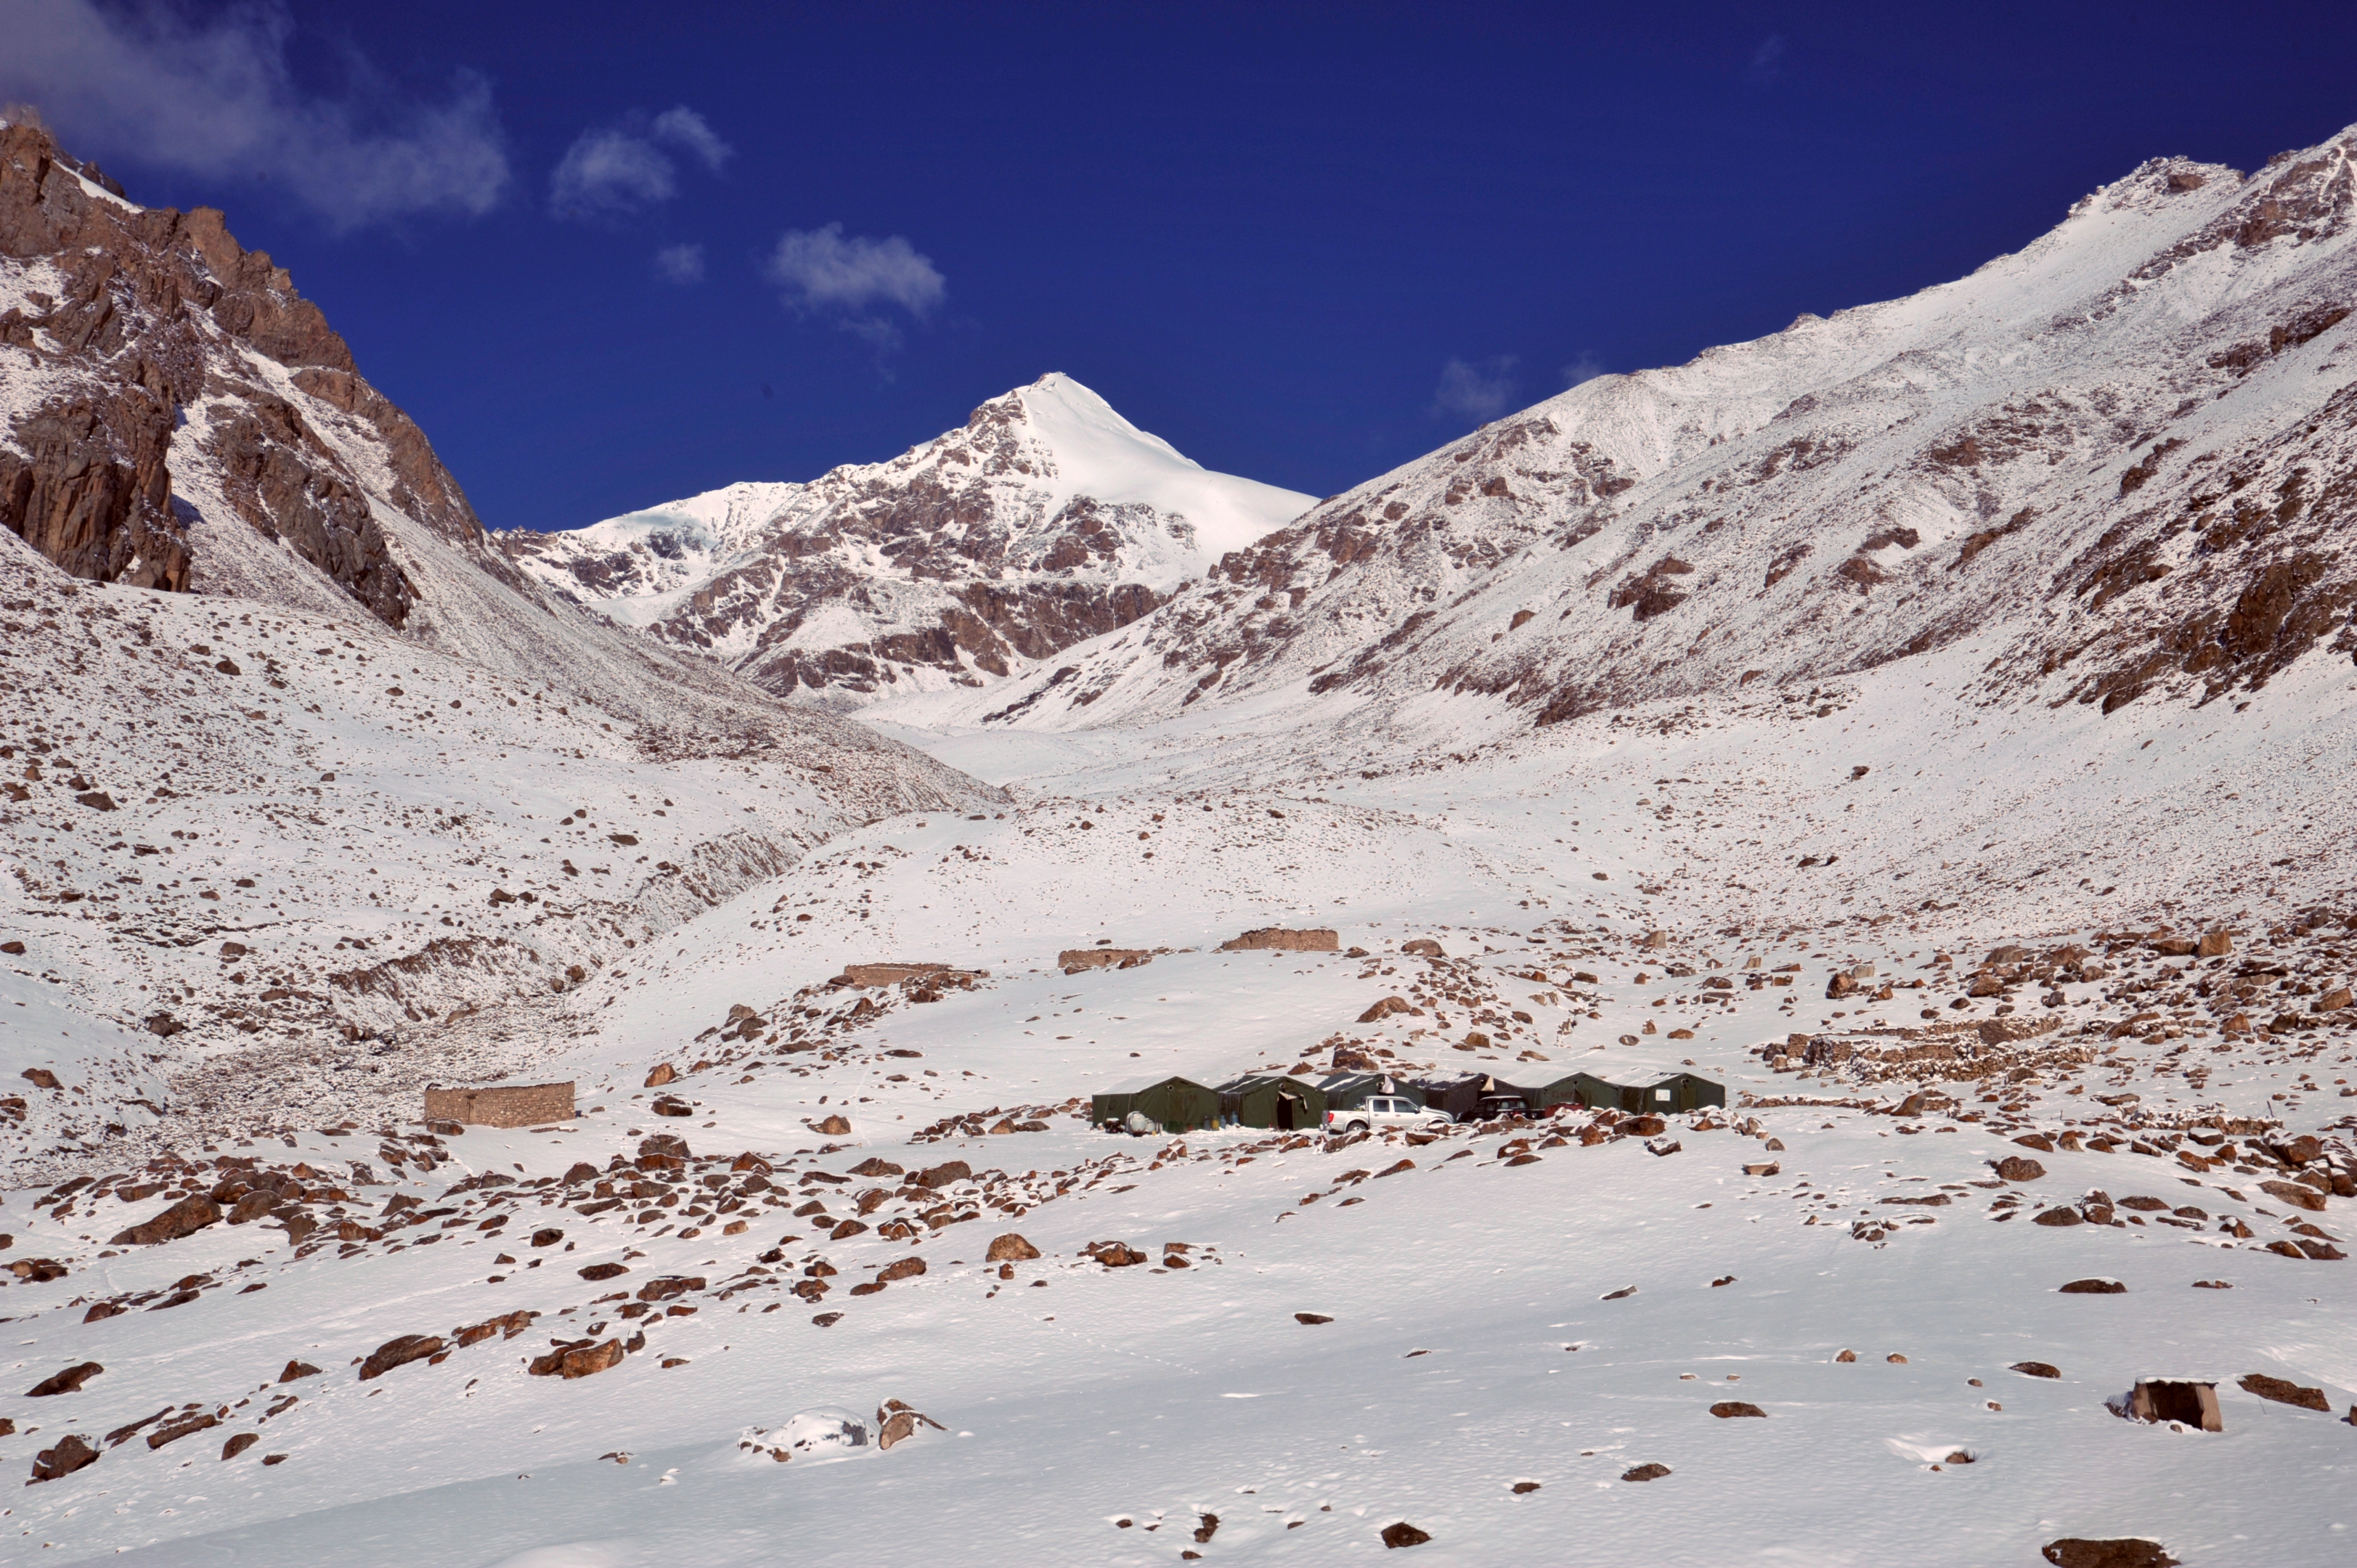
{"points": [[610, 170], [216, 99], [1768, 60], [1583, 367], [822, 271], [1479, 392], [681, 265], [683, 127]]}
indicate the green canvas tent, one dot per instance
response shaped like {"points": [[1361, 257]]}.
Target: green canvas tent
{"points": [[1583, 1089], [1272, 1099], [1175, 1104], [1681, 1092]]}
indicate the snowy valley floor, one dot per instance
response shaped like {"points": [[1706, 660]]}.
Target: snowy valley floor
{"points": [[1481, 1333]]}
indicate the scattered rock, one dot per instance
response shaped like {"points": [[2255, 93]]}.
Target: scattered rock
{"points": [[579, 1361], [1724, 1408], [1645, 1473], [1846, 1355], [831, 1127], [1617, 1294], [399, 1353], [2073, 1552], [2035, 1370], [2094, 1287], [941, 1175], [184, 1217], [1009, 1247], [1423, 946], [2018, 1168], [1771, 1168], [2280, 1390], [71, 1454], [239, 1444], [187, 1427], [548, 1237], [296, 1371], [897, 1422], [664, 1073], [1403, 1534], [597, 1272], [1311, 1317], [2058, 1216], [68, 1381], [2294, 1193], [1523, 1488], [900, 1269], [1896, 1359]]}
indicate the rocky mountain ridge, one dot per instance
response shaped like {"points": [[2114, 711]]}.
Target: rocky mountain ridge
{"points": [[1045, 520], [2128, 446]]}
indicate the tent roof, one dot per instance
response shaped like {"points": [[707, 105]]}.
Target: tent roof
{"points": [[1140, 1085]]}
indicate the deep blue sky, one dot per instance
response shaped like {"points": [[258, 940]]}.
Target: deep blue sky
{"points": [[1262, 232]]}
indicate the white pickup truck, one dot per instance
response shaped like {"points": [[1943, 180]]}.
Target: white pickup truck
{"points": [[1385, 1110]]}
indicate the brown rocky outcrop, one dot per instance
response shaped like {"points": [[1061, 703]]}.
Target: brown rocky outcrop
{"points": [[156, 312], [184, 1217]]}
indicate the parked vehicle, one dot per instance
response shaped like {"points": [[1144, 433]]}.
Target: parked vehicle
{"points": [[1386, 1111]]}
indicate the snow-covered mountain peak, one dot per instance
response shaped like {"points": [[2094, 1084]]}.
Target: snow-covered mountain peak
{"points": [[1044, 519]]}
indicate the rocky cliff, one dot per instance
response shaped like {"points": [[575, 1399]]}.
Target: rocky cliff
{"points": [[160, 377]]}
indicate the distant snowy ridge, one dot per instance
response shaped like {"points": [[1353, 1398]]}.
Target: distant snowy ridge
{"points": [[1047, 519], [2126, 447]]}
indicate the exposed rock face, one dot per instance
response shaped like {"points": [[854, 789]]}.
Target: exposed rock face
{"points": [[171, 375], [1045, 521], [2144, 496]]}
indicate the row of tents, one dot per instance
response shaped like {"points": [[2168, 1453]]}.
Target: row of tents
{"points": [[1286, 1103]]}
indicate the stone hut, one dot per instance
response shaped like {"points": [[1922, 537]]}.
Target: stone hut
{"points": [[502, 1105], [1276, 939]]}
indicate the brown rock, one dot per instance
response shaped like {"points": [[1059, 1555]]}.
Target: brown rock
{"points": [[1846, 1355], [577, 1361], [2038, 1140], [2036, 1369], [187, 1427], [2281, 1391], [252, 1206], [1645, 1473], [239, 1444], [2094, 1287], [900, 1269], [597, 1272], [2333, 1001], [897, 1422], [831, 1127], [2018, 1168], [943, 1174], [399, 1352], [1406, 1534], [664, 1073], [1312, 1318], [296, 1371], [1727, 1407], [2216, 944], [1423, 946], [2294, 1193], [2058, 1216], [68, 1381], [875, 1165], [1523, 1488], [1384, 1009], [40, 1077], [71, 1454], [670, 1287], [184, 1217], [2073, 1551], [1009, 1247]]}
